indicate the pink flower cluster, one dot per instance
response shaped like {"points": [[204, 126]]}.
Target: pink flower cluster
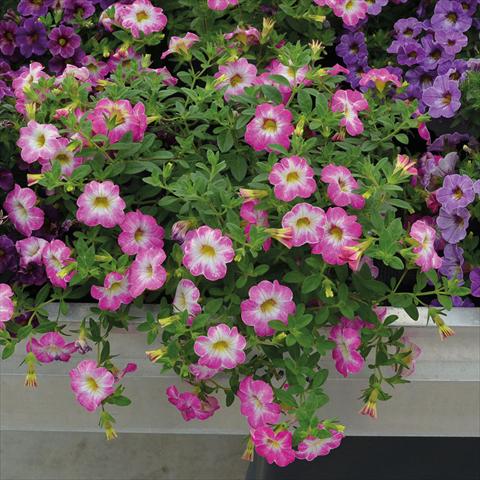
{"points": [[190, 405]]}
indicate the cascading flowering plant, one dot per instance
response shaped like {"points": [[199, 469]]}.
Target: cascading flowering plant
{"points": [[266, 200]]}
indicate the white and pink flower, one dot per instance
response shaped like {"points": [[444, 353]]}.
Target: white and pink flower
{"points": [[413, 351], [181, 45], [257, 402], [312, 447], [254, 216], [56, 256], [345, 354], [65, 157], [350, 11], [380, 77], [426, 256], [222, 347], [6, 304], [221, 4], [141, 17], [350, 102], [186, 299], [246, 36], [292, 177], [100, 204], [30, 250], [190, 405], [38, 141], [340, 230], [274, 447], [51, 347], [115, 119], [202, 372], [235, 76], [267, 301], [139, 232], [206, 252], [113, 293], [91, 384], [22, 212], [341, 186], [272, 124], [146, 272], [306, 224]]}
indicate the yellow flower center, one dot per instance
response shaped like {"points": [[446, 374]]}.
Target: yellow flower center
{"points": [[207, 250], [458, 193], [303, 222], [447, 98], [139, 235], [292, 177], [114, 287], [235, 80], [63, 158], [268, 305], [220, 346], [92, 384], [269, 125], [41, 140], [336, 232], [142, 15], [101, 202]]}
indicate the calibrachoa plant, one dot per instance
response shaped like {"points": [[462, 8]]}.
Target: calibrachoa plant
{"points": [[264, 188]]}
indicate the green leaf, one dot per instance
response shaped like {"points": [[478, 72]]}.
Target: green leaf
{"points": [[225, 141], [400, 300], [119, 400]]}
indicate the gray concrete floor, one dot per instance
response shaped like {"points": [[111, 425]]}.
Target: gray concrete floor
{"points": [[88, 456]]}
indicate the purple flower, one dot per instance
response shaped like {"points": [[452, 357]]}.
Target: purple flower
{"points": [[57, 64], [476, 187], [449, 15], [453, 225], [434, 53], [6, 180], [63, 41], [469, 6], [420, 78], [31, 274], [356, 72], [410, 53], [443, 97], [375, 6], [8, 255], [408, 27], [449, 142], [352, 48], [8, 29], [462, 302], [452, 262], [457, 191], [475, 282], [34, 8], [31, 38], [454, 69], [77, 9], [451, 41]]}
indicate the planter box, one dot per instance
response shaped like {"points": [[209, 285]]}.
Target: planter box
{"points": [[443, 398]]}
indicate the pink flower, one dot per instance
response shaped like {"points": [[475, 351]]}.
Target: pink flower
{"points": [[292, 177], [25, 78], [100, 204], [91, 384], [426, 256], [51, 347], [221, 4], [341, 185], [272, 124], [113, 293], [414, 351], [235, 76], [267, 301], [186, 299], [181, 45], [274, 447], [6, 304], [206, 252], [340, 230], [246, 36], [222, 348], [337, 70], [146, 272], [22, 212], [380, 77], [190, 406], [254, 216], [64, 156], [312, 447], [139, 232], [405, 166], [38, 141], [306, 223], [141, 17], [257, 402], [56, 256], [346, 356], [351, 11], [30, 250], [202, 372], [115, 119], [350, 102]]}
